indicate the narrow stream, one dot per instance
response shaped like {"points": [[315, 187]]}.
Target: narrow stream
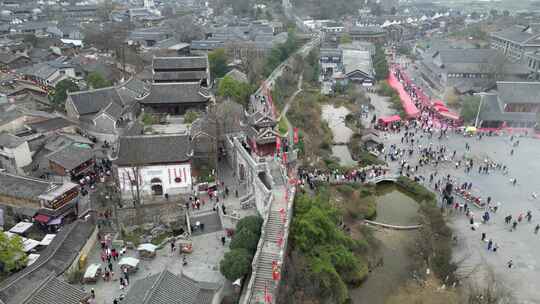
{"points": [[393, 207]]}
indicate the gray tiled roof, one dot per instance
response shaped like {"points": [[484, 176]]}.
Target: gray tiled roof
{"points": [[183, 75], [54, 291], [206, 44], [135, 88], [153, 149], [167, 288], [492, 111], [56, 258], [10, 141], [22, 187], [50, 124], [90, 102], [179, 62], [519, 92], [515, 33], [466, 55], [114, 110], [71, 157], [187, 92]]}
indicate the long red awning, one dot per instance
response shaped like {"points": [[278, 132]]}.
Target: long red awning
{"points": [[389, 119], [408, 105]]}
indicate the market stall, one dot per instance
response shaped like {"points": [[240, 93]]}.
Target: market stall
{"points": [[147, 250], [92, 273], [129, 263], [389, 119], [21, 227]]}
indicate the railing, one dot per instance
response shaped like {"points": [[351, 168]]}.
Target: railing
{"points": [[255, 261]]}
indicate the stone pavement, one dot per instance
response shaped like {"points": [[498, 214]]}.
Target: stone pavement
{"points": [[521, 245], [203, 265]]}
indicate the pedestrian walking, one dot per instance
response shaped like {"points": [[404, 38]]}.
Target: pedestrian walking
{"points": [[536, 229], [510, 264], [490, 243], [514, 225], [483, 236]]}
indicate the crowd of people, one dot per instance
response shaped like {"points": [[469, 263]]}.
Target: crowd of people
{"points": [[312, 177]]}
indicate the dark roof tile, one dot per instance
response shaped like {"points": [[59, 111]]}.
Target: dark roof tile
{"points": [[153, 149]]}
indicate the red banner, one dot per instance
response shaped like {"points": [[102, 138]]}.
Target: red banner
{"points": [[278, 144], [295, 135]]}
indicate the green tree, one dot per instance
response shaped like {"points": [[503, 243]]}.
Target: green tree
{"points": [[12, 256], [60, 92], [96, 81], [238, 91], [251, 223], [380, 64], [190, 116], [330, 253], [345, 38], [245, 239], [218, 63], [235, 264], [469, 108]]}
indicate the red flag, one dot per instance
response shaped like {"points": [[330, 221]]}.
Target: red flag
{"points": [[267, 296], [278, 143], [295, 135]]}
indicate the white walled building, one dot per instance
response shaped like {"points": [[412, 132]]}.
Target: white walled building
{"points": [[14, 153], [160, 164]]}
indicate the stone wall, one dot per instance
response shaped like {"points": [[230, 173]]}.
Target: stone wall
{"points": [[166, 213], [85, 251]]}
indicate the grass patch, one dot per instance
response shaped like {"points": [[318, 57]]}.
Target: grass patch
{"points": [[356, 202], [283, 126], [315, 134]]}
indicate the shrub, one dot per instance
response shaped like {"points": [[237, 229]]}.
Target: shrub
{"points": [[245, 239], [235, 264], [251, 223]]}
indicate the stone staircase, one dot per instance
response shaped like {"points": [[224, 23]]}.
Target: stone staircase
{"points": [[273, 233]]}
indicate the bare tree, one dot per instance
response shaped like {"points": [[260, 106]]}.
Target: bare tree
{"points": [[489, 292], [186, 29]]}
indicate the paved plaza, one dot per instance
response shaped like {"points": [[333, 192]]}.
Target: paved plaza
{"points": [[203, 266], [520, 246]]}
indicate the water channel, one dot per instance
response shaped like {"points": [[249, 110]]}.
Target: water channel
{"points": [[335, 117], [393, 207]]}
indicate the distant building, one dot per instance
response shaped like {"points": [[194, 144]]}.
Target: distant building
{"points": [[166, 287], [331, 61], [160, 164], [358, 67], [148, 37], [468, 70], [175, 98], [205, 46], [373, 34], [516, 40], [14, 153], [10, 61], [47, 73], [102, 110], [32, 197], [514, 104], [181, 70]]}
